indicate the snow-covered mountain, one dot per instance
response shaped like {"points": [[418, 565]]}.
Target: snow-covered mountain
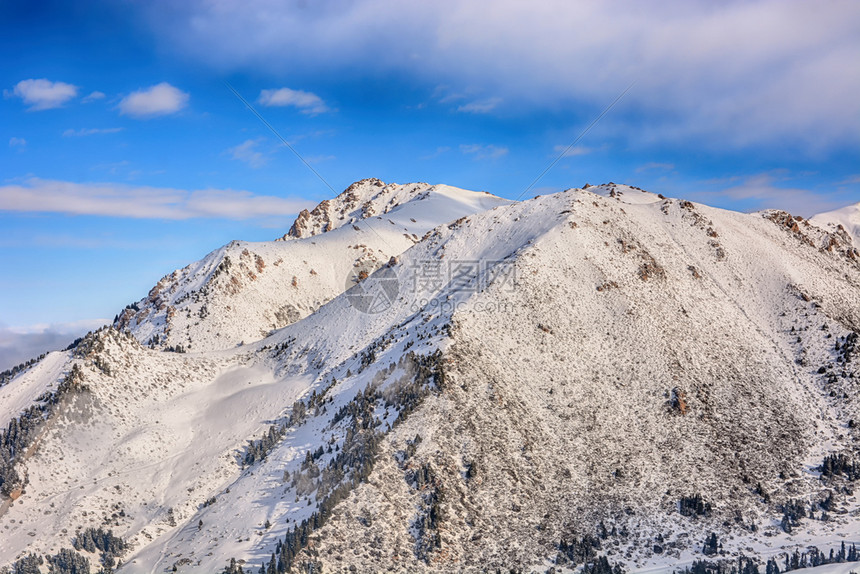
{"points": [[847, 217], [533, 385]]}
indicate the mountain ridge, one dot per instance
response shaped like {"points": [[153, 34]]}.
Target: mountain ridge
{"points": [[226, 299], [553, 380]]}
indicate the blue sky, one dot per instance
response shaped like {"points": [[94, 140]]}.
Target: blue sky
{"points": [[124, 155]]}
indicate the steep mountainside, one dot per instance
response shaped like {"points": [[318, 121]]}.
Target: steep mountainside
{"points": [[599, 372]]}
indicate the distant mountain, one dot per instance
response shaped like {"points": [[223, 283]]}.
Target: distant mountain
{"points": [[602, 376], [848, 217]]}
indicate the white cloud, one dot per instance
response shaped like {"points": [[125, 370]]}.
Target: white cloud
{"points": [[93, 96], [444, 96], [572, 151], [319, 158], [44, 94], [484, 151], [306, 102], [69, 328], [439, 151], [761, 191], [17, 142], [247, 152], [728, 74], [159, 100], [76, 241], [90, 132], [113, 168], [480, 106], [655, 166], [141, 202]]}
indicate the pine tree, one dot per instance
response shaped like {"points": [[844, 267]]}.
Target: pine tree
{"points": [[710, 546]]}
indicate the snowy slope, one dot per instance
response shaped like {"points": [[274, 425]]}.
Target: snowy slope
{"points": [[572, 366], [30, 385]]}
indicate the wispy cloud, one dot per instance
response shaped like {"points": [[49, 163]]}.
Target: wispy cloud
{"points": [[443, 93], [93, 96], [58, 241], [159, 100], [141, 202], [480, 106], [113, 168], [249, 153], [761, 192], [655, 166], [17, 142], [319, 158], [90, 132], [43, 94], [439, 151], [573, 151], [306, 102], [484, 151], [72, 327]]}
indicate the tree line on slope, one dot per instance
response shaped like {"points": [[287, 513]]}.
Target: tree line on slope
{"points": [[68, 561], [354, 460], [10, 374], [796, 560], [23, 430]]}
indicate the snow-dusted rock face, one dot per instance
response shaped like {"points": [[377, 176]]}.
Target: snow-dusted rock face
{"points": [[848, 218], [833, 237], [372, 197], [594, 372], [353, 204]]}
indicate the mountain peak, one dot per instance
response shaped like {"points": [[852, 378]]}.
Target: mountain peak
{"points": [[328, 214], [624, 193], [373, 197]]}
